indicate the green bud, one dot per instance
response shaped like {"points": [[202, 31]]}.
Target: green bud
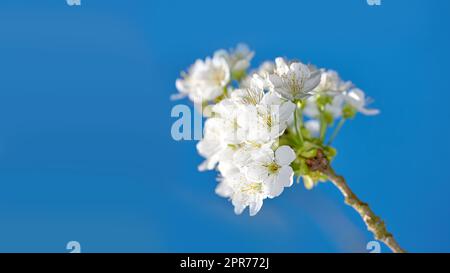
{"points": [[317, 177], [330, 152], [328, 117], [322, 101], [302, 168], [305, 133], [308, 182], [238, 75], [348, 111], [309, 153]]}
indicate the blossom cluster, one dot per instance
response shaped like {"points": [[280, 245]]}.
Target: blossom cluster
{"points": [[263, 125]]}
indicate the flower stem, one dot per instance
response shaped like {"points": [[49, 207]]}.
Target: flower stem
{"points": [[336, 130], [225, 91], [323, 127], [374, 223], [299, 135]]}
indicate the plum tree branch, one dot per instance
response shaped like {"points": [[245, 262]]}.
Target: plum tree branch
{"points": [[373, 222]]}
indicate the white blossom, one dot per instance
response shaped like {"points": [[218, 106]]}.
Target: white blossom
{"points": [[238, 59], [243, 193], [332, 87], [340, 94], [293, 81], [265, 69], [244, 155], [264, 115], [263, 72], [265, 175], [212, 146], [252, 93], [334, 108], [249, 115], [272, 168], [313, 126], [267, 120], [357, 99], [230, 111], [205, 80], [331, 83]]}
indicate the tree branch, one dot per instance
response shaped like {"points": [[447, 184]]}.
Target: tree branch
{"points": [[374, 223]]}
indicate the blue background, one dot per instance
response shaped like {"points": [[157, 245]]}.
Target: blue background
{"points": [[86, 152]]}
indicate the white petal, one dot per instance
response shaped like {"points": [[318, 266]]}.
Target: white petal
{"points": [[286, 111], [313, 81], [271, 179], [255, 207], [275, 81], [335, 108], [300, 71], [282, 67], [238, 203], [257, 82], [309, 183], [264, 156], [313, 126], [369, 112], [355, 98], [311, 109], [203, 166], [242, 157], [221, 53], [256, 172], [227, 168], [285, 176], [275, 190], [271, 98], [241, 65], [181, 86], [239, 207], [284, 155], [224, 190], [285, 92]]}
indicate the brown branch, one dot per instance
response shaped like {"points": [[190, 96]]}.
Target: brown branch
{"points": [[374, 223]]}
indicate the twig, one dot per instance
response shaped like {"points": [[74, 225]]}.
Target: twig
{"points": [[374, 223]]}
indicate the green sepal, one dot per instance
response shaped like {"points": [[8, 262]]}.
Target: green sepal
{"points": [[348, 111]]}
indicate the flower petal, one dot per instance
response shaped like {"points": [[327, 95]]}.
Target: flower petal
{"points": [[255, 206], [257, 172], [313, 126], [224, 190], [313, 81], [275, 190], [286, 114], [369, 112], [238, 203], [284, 155], [309, 182], [285, 176], [281, 66]]}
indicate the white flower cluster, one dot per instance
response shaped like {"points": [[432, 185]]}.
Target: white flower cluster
{"points": [[249, 136], [341, 94]]}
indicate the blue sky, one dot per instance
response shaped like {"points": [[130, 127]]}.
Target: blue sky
{"points": [[86, 152]]}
